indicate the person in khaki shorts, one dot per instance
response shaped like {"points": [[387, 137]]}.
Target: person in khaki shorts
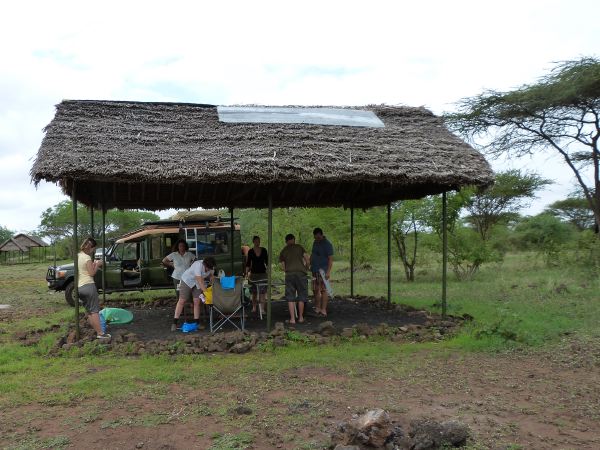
{"points": [[294, 261], [86, 286]]}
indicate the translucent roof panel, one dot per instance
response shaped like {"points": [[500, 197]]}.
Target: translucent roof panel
{"points": [[314, 116]]}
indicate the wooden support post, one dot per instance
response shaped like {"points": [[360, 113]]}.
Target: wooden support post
{"points": [[232, 239], [75, 260], [92, 221], [269, 264], [352, 251], [103, 254], [389, 254], [444, 252]]}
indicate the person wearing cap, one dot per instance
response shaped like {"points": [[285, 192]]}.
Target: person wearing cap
{"points": [[294, 262]]}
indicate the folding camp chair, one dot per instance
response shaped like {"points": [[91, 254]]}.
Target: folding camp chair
{"points": [[227, 305]]}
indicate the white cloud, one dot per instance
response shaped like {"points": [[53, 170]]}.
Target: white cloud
{"points": [[270, 52]]}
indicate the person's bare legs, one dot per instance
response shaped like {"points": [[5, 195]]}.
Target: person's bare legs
{"points": [[196, 309], [94, 321], [262, 300], [254, 301], [317, 294], [300, 311], [179, 307], [292, 308], [324, 300]]}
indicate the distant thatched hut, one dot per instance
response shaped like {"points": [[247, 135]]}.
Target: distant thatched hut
{"points": [[21, 243]]}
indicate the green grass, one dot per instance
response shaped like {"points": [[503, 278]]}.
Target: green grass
{"points": [[230, 441], [518, 303]]}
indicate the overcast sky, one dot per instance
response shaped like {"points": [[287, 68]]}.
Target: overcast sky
{"points": [[307, 53]]}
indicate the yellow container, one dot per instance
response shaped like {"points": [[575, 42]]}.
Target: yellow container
{"points": [[208, 295]]}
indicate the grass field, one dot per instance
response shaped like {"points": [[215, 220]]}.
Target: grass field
{"points": [[527, 317]]}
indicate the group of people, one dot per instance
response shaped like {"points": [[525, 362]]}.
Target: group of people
{"points": [[295, 262], [192, 277]]}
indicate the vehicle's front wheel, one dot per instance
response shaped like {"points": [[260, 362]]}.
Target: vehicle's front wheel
{"points": [[70, 294]]}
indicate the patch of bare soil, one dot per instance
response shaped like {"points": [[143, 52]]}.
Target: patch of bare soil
{"points": [[154, 321], [537, 400]]}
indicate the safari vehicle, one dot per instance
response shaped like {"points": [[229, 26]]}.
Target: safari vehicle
{"points": [[134, 261]]}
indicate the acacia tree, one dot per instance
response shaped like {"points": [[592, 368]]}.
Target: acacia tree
{"points": [[408, 224], [501, 202], [57, 222], [559, 113], [5, 234], [573, 209]]}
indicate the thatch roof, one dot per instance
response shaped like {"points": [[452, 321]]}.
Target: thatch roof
{"points": [[29, 241], [21, 242], [177, 155], [11, 245]]}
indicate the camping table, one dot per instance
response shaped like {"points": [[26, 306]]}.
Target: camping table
{"points": [[264, 282]]}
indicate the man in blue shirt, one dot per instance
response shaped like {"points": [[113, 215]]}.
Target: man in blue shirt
{"points": [[321, 261]]}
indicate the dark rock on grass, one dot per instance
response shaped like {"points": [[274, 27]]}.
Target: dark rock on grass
{"points": [[371, 430], [375, 430], [241, 347], [327, 329], [279, 341], [242, 411], [347, 332], [363, 329], [215, 347], [21, 335]]}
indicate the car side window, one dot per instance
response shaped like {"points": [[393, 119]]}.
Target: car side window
{"points": [[155, 247], [130, 251], [212, 243], [117, 253]]}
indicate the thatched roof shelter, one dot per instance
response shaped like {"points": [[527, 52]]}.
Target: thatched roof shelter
{"points": [[29, 241], [179, 155], [11, 245], [21, 242]]}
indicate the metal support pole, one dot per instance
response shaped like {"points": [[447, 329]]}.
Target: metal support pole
{"points": [[92, 221], [352, 251], [389, 254], [269, 264], [75, 260], [103, 254], [444, 252], [232, 239]]}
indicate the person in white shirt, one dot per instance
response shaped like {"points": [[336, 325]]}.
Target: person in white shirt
{"points": [[193, 284], [179, 261]]}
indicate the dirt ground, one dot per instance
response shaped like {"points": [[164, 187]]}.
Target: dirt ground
{"points": [[155, 323], [510, 401], [514, 400]]}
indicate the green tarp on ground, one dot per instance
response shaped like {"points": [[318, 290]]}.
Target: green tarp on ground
{"points": [[117, 316]]}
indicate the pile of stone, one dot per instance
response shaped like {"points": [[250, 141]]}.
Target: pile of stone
{"points": [[432, 328], [375, 430]]}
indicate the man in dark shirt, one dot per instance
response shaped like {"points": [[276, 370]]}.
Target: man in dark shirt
{"points": [[321, 261], [294, 260]]}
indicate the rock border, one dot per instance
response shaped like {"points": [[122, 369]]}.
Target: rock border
{"points": [[434, 328]]}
